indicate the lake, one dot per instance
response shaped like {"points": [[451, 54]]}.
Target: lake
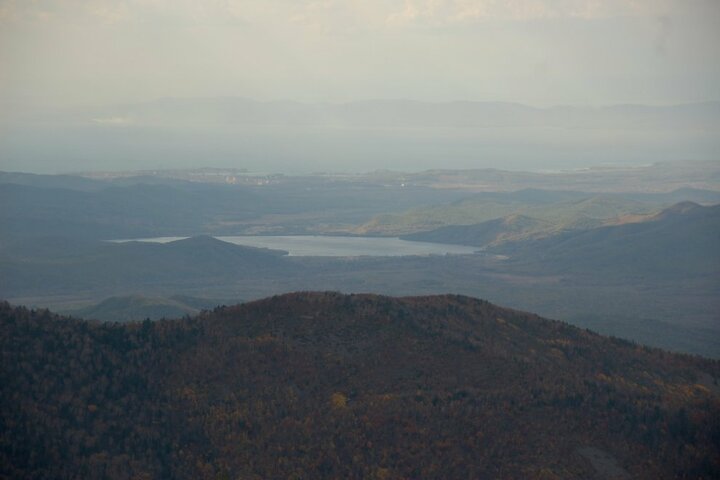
{"points": [[331, 246]]}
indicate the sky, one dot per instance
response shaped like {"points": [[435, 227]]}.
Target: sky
{"points": [[131, 84], [71, 53]]}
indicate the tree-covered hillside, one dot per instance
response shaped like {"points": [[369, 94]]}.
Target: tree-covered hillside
{"points": [[323, 385]]}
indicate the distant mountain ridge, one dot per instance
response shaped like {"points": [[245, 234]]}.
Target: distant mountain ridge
{"points": [[395, 112], [396, 134]]}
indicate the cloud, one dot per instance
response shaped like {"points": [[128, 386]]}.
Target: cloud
{"points": [[600, 51], [448, 12], [329, 15], [664, 32], [115, 11], [117, 121]]}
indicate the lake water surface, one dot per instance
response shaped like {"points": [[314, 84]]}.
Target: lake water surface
{"points": [[329, 246]]}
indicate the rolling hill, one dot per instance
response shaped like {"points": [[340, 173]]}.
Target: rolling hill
{"points": [[684, 236], [681, 240], [130, 211], [564, 210], [325, 385], [63, 265], [491, 232]]}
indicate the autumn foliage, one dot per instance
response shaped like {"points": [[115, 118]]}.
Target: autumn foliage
{"points": [[323, 385]]}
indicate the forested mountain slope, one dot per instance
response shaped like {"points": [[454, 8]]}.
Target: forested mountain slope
{"points": [[324, 385], [681, 240]]}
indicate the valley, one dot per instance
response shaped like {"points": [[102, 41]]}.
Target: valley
{"points": [[639, 265]]}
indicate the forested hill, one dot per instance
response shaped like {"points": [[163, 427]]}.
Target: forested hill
{"points": [[324, 385]]}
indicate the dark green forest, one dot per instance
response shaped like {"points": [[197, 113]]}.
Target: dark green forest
{"points": [[324, 385]]}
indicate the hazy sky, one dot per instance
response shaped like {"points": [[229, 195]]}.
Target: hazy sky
{"points": [[539, 52]]}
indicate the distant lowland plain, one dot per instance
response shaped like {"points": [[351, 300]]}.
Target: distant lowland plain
{"points": [[628, 251]]}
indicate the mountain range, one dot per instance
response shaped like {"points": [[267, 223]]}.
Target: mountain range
{"points": [[385, 113], [309, 137]]}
